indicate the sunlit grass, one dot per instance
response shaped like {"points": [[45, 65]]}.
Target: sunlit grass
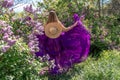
{"points": [[105, 68]]}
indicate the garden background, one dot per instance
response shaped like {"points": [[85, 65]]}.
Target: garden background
{"points": [[18, 44]]}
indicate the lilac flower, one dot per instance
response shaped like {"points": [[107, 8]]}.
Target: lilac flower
{"points": [[32, 51], [30, 44], [5, 37], [28, 23], [7, 3], [35, 16], [29, 9], [9, 27], [11, 42], [5, 48], [38, 32], [4, 29], [18, 31], [31, 36], [3, 23], [42, 72], [33, 40], [9, 30], [38, 29], [33, 45], [27, 18]]}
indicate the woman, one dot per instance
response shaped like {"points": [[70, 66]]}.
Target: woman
{"points": [[71, 47]]}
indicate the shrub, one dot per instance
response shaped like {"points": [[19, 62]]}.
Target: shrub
{"points": [[18, 64]]}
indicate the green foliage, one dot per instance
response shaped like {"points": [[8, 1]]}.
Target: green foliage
{"points": [[63, 8], [105, 29], [105, 68], [18, 64], [104, 33]]}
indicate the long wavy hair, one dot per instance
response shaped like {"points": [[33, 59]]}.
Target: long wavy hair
{"points": [[52, 17]]}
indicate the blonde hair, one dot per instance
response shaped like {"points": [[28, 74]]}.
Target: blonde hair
{"points": [[52, 17]]}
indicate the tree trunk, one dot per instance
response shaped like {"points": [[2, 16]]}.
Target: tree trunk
{"points": [[99, 7], [102, 8]]}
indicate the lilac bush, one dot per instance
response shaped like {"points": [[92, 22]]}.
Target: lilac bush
{"points": [[33, 40], [14, 30], [25, 27], [6, 36], [7, 3]]}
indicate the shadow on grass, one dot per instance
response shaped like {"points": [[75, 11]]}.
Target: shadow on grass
{"points": [[96, 48]]}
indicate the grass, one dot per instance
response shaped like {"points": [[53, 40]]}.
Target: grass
{"points": [[104, 68]]}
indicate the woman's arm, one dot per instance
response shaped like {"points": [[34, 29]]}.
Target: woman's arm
{"points": [[68, 28]]}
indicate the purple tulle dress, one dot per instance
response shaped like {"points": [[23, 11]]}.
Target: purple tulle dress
{"points": [[70, 48]]}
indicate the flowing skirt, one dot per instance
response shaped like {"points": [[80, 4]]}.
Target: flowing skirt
{"points": [[70, 48]]}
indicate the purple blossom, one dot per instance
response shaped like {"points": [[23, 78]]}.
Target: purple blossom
{"points": [[38, 32], [35, 16], [33, 40], [4, 29], [30, 44], [33, 23], [3, 23], [33, 43], [7, 30], [5, 48], [27, 18], [29, 9], [11, 42], [9, 27], [28, 23], [19, 31], [31, 36], [7, 3], [32, 51], [5, 37], [38, 29]]}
